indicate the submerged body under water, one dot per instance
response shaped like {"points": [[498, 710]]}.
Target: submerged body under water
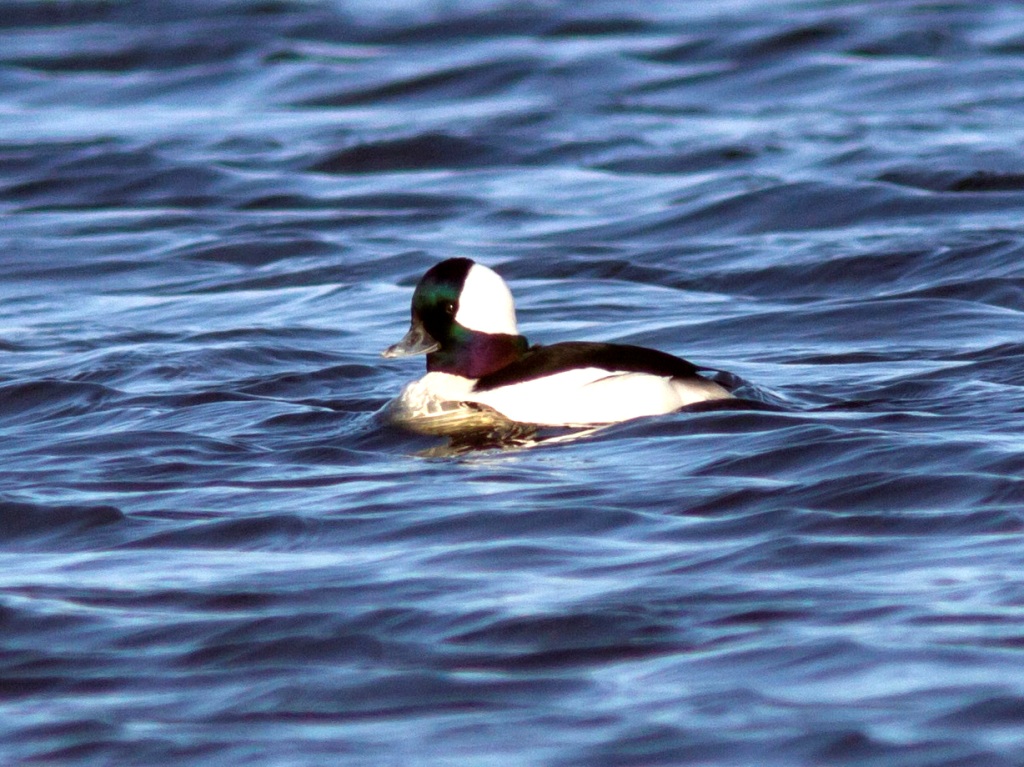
{"points": [[214, 548]]}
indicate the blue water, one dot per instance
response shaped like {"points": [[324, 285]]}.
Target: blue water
{"points": [[214, 551]]}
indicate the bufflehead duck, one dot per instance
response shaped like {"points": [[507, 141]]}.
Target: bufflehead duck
{"points": [[464, 320]]}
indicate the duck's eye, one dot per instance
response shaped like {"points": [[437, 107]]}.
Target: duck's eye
{"points": [[449, 308]]}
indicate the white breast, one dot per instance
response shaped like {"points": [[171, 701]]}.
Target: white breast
{"points": [[434, 394], [439, 403]]}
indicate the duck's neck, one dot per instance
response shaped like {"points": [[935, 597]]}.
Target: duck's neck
{"points": [[473, 354]]}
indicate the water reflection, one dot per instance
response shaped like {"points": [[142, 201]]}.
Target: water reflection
{"points": [[471, 427], [476, 428]]}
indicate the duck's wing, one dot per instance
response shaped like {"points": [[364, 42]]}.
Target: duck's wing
{"points": [[541, 361]]}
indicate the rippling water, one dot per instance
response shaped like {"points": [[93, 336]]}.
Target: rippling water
{"points": [[214, 551]]}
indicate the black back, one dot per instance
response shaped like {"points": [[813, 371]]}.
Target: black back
{"points": [[540, 361]]}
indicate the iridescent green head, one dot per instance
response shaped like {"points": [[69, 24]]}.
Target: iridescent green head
{"points": [[463, 318]]}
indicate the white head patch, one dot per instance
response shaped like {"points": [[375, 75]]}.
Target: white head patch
{"points": [[485, 303]]}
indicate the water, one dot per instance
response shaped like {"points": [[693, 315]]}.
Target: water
{"points": [[213, 551]]}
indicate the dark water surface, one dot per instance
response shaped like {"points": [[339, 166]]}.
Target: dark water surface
{"points": [[214, 552]]}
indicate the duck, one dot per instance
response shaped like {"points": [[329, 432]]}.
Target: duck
{"points": [[464, 321]]}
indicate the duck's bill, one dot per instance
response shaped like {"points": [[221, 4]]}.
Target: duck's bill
{"points": [[416, 341]]}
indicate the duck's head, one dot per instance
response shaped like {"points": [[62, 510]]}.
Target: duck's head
{"points": [[463, 319]]}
